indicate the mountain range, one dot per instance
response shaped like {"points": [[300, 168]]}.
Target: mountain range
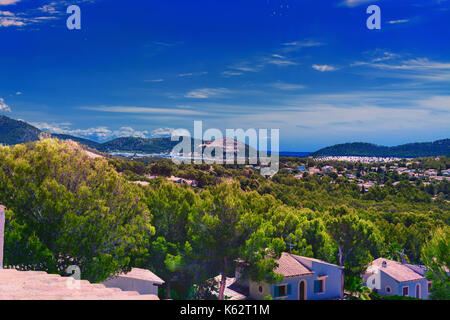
{"points": [[15, 132]]}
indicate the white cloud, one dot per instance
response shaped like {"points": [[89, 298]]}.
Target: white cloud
{"points": [[4, 106], [287, 86], [192, 74], [207, 93], [8, 2], [6, 13], [323, 68], [18, 93], [49, 8], [100, 133], [140, 110], [441, 103], [351, 113], [413, 69], [281, 62], [11, 22], [245, 66], [231, 73], [398, 21], [355, 3], [37, 14], [155, 80], [162, 132], [303, 44]]}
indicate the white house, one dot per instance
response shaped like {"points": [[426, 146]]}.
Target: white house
{"points": [[139, 280]]}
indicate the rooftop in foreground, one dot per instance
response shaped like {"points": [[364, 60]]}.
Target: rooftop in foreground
{"points": [[39, 285]]}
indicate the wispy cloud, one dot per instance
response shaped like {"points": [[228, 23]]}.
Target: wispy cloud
{"points": [[192, 74], [280, 61], [245, 66], [162, 132], [323, 68], [398, 21], [3, 106], [303, 44], [231, 73], [207, 93], [8, 2], [355, 3], [38, 14], [98, 133], [287, 86], [281, 57], [155, 80], [414, 69], [141, 110]]}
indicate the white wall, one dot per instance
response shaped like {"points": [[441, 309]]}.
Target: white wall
{"points": [[130, 284]]}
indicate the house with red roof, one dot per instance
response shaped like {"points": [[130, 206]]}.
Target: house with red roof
{"points": [[388, 278], [304, 279]]}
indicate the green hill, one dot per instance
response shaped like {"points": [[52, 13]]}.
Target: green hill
{"points": [[86, 142], [15, 131], [410, 150], [143, 145]]}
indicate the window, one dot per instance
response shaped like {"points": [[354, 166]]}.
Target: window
{"points": [[405, 291], [418, 293], [319, 286], [282, 290], [260, 289], [429, 286], [388, 289]]}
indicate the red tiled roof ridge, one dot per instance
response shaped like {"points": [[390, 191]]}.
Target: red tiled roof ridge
{"points": [[289, 266], [397, 270], [315, 260]]}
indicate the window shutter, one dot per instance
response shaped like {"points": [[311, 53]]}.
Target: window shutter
{"points": [[276, 292], [316, 286], [288, 289]]}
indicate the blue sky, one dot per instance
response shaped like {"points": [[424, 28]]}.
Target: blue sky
{"points": [[310, 68]]}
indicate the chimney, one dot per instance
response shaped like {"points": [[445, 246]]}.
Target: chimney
{"points": [[2, 233]]}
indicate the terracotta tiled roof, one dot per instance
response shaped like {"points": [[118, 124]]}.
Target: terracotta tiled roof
{"points": [[38, 285], [289, 266], [396, 270], [233, 289]]}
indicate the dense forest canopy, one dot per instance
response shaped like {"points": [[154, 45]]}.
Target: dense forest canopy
{"points": [[67, 208]]}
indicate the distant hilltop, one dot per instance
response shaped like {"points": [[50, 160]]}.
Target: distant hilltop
{"points": [[15, 132], [410, 150]]}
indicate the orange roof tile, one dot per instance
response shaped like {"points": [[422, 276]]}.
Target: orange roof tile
{"points": [[289, 266], [396, 270]]}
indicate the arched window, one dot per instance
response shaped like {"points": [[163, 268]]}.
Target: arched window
{"points": [[388, 289]]}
